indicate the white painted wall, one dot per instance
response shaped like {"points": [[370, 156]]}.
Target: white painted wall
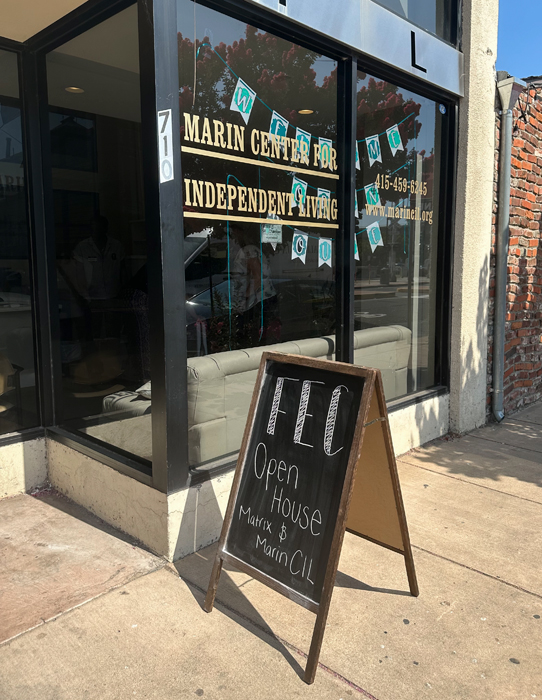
{"points": [[121, 501], [417, 424], [472, 239], [23, 467]]}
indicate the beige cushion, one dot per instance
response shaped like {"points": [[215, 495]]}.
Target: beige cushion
{"points": [[220, 386], [6, 371]]}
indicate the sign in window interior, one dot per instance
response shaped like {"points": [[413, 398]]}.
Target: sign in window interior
{"points": [[260, 179], [397, 200]]}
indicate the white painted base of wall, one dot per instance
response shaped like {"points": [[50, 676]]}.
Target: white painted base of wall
{"points": [[172, 526], [417, 424], [23, 467], [176, 525]]}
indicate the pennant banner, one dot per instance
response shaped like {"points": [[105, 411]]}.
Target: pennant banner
{"points": [[279, 125], [356, 251], [303, 139], [299, 191], [356, 212], [358, 164], [299, 246], [375, 236], [325, 249], [394, 139], [324, 146], [243, 100], [373, 149], [371, 195], [324, 203]]}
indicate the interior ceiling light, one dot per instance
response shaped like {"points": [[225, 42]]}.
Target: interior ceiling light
{"points": [[75, 90], [306, 111]]}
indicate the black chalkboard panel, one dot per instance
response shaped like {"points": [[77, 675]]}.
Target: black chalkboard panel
{"points": [[293, 473]]}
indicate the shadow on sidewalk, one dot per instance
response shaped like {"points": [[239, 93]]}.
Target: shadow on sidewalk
{"points": [[57, 500], [240, 610], [494, 453]]}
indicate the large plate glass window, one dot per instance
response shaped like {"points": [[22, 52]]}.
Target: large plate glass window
{"points": [[18, 408], [258, 137], [100, 234], [397, 191], [437, 16]]}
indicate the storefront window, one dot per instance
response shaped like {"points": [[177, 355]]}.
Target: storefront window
{"points": [[101, 246], [437, 16], [397, 189], [18, 408], [258, 138]]}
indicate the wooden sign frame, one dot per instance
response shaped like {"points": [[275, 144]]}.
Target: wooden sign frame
{"points": [[382, 481]]}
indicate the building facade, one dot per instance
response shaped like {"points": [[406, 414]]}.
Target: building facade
{"points": [[184, 185], [522, 377]]}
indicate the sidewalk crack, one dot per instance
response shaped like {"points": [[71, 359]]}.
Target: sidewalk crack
{"points": [[470, 483], [477, 571]]}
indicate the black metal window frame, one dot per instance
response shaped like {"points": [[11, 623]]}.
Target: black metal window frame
{"points": [[170, 470], [24, 434], [455, 10]]}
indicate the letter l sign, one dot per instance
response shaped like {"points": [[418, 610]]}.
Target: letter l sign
{"points": [[413, 53]]}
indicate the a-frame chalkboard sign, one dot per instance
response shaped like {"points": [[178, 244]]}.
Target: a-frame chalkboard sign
{"points": [[316, 460]]}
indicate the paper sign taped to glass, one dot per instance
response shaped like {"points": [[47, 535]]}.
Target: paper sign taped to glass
{"points": [[272, 233]]}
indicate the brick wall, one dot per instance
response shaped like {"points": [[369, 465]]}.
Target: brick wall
{"points": [[523, 340]]}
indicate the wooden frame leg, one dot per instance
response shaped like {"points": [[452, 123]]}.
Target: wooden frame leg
{"points": [[213, 584], [411, 573], [316, 643]]}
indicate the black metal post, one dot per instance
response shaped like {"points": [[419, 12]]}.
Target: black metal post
{"points": [[165, 237], [344, 256], [42, 242]]}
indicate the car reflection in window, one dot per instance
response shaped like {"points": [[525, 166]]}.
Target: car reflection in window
{"points": [[303, 310]]}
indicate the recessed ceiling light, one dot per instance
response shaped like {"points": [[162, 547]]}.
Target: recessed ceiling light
{"points": [[75, 90], [306, 111]]}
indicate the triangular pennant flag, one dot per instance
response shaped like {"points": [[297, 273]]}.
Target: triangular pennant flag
{"points": [[324, 203], [303, 139], [371, 195], [324, 146], [356, 205], [394, 139], [358, 164], [299, 192], [243, 100], [375, 236], [299, 245], [325, 249], [356, 251], [278, 125], [373, 149]]}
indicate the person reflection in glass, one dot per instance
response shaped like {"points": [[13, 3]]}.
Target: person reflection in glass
{"points": [[100, 275], [100, 262], [254, 295]]}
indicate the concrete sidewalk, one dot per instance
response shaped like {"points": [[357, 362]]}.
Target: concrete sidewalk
{"points": [[85, 612]]}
